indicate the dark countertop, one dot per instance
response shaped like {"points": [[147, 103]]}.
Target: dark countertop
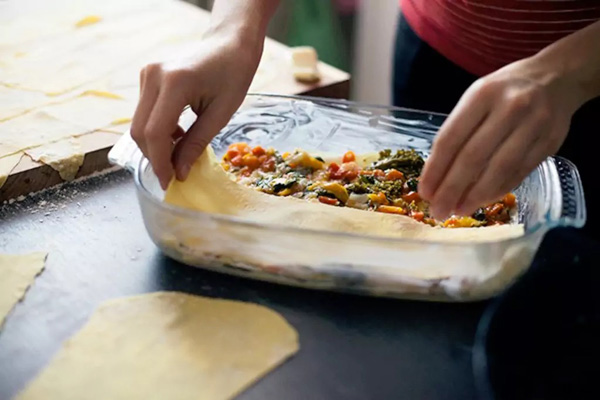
{"points": [[352, 347]]}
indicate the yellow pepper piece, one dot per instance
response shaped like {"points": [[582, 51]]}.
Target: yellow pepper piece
{"points": [[378, 198], [391, 210], [461, 222], [337, 190], [303, 159], [285, 192]]}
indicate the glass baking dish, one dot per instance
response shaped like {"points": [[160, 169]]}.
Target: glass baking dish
{"points": [[550, 196]]}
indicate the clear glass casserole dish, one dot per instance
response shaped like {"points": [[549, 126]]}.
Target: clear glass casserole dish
{"points": [[550, 196]]}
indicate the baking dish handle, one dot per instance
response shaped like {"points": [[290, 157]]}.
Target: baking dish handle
{"points": [[125, 153], [573, 211]]}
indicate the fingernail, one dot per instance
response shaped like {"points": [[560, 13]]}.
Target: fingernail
{"points": [[184, 171], [165, 180], [163, 184]]}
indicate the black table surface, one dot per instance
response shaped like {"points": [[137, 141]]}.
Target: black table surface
{"points": [[351, 347]]}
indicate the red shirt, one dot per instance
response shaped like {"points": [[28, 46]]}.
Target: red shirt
{"points": [[483, 35]]}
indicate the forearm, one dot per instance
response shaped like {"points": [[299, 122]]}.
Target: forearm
{"points": [[576, 58], [245, 19]]}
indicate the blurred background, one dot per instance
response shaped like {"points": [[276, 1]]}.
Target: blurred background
{"points": [[356, 36]]}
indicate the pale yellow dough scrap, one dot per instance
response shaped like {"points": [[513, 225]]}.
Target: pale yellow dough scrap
{"points": [[167, 345], [17, 273], [65, 156], [208, 188], [89, 20], [304, 64], [15, 102], [76, 57], [7, 164], [95, 109], [34, 129]]}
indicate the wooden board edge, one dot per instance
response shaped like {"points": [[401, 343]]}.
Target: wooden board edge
{"points": [[43, 176]]}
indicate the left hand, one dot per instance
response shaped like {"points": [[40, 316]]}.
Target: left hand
{"points": [[504, 125]]}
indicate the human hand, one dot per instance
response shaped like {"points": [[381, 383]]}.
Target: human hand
{"points": [[213, 81], [503, 126]]}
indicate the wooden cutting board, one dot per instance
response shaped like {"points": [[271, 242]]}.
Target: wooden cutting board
{"points": [[74, 56]]}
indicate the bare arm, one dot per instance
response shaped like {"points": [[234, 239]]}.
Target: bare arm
{"points": [[576, 58], [248, 18], [508, 122], [213, 81]]}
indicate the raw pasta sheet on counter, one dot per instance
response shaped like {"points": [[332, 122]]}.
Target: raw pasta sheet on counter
{"points": [[167, 345], [70, 69], [17, 272]]}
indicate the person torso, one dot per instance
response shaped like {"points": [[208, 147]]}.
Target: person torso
{"points": [[483, 35]]}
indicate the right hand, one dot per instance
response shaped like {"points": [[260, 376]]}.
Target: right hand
{"points": [[213, 81]]}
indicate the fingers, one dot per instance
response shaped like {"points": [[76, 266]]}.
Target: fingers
{"points": [[517, 156], [161, 125], [178, 133], [468, 114], [471, 160], [193, 143]]}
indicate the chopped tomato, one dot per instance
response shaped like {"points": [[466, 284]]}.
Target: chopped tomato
{"points": [[391, 210], [460, 222], [350, 175], [231, 153], [493, 210], [258, 151], [375, 172], [348, 171], [349, 157], [251, 161], [394, 175], [335, 172], [418, 215], [411, 196], [262, 158], [268, 165], [241, 147], [452, 223], [328, 200], [237, 161], [245, 171], [509, 200]]}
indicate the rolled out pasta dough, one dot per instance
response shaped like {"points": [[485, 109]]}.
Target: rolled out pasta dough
{"points": [[17, 273], [7, 164], [167, 345], [209, 189]]}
